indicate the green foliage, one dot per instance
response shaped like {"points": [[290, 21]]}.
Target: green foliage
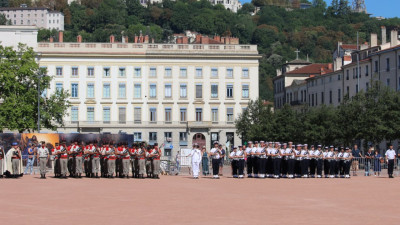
{"points": [[372, 116], [19, 76]]}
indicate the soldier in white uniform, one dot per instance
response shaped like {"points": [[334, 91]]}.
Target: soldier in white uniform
{"points": [[216, 157], [390, 156], [240, 154], [313, 162], [298, 158], [319, 160], [303, 163], [331, 159], [254, 158], [249, 164], [277, 156], [270, 160], [42, 157], [262, 160], [326, 162], [290, 158], [232, 157], [347, 156], [196, 160]]}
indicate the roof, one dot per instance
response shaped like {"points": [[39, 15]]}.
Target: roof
{"points": [[298, 82], [349, 46], [347, 58], [23, 8], [210, 41], [313, 69], [298, 61]]}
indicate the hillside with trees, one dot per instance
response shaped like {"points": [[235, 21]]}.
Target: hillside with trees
{"points": [[276, 29]]}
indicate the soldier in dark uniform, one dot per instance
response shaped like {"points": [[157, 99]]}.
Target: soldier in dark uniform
{"points": [[249, 163]]}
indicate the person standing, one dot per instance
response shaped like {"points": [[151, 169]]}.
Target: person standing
{"points": [[356, 157], [319, 160], [326, 162], [141, 154], [2, 160], [149, 160], [196, 159], [63, 160], [232, 157], [95, 159], [249, 163], [178, 163], [240, 155], [134, 161], [368, 161], [56, 159], [204, 162], [221, 160], [390, 157], [332, 161], [14, 164], [347, 156], [303, 163], [290, 160], [262, 160], [155, 163], [42, 158], [277, 156], [254, 157], [377, 163], [111, 157], [30, 161], [297, 163], [270, 160], [216, 158], [313, 162]]}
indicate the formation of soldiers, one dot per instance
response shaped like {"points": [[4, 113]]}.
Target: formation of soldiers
{"points": [[106, 161], [276, 160]]}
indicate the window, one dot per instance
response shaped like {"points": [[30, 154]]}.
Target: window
{"points": [[153, 114], [338, 77], [183, 114], [137, 115], [330, 97], [214, 114], [59, 71], [387, 82], [182, 138], [167, 136], [122, 90], [229, 91], [153, 72], [137, 72], [199, 114], [106, 115], [106, 90], [137, 136], [90, 114], [167, 114], [214, 90], [398, 62], [122, 72], [122, 115], [137, 91], [59, 87], [74, 90], [214, 72], [153, 137], [367, 86], [347, 74], [330, 79], [356, 88], [153, 90], [245, 91], [199, 72], [74, 71], [199, 90], [74, 113], [245, 72], [229, 114], [168, 91], [168, 72], [312, 99], [183, 90], [322, 98], [90, 71], [106, 72], [229, 73], [387, 64], [366, 71], [183, 72], [376, 66], [90, 90], [339, 94], [348, 90]]}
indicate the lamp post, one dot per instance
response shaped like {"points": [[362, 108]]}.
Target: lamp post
{"points": [[38, 104]]}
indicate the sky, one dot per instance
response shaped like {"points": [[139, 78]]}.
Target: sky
{"points": [[385, 8]]}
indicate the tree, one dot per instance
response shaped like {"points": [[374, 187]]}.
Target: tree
{"points": [[4, 20], [319, 4], [19, 78]]}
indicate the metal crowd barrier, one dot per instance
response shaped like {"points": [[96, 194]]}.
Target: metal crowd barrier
{"points": [[364, 166]]}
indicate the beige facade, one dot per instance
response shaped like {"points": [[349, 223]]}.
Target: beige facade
{"points": [[30, 16]]}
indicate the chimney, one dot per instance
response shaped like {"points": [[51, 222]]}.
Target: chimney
{"points": [[394, 38], [374, 40], [383, 29], [179, 40], [217, 38], [330, 66], [152, 40], [79, 38], [112, 39], [136, 39], [60, 36], [185, 40], [198, 38], [146, 39], [205, 40], [51, 39]]}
